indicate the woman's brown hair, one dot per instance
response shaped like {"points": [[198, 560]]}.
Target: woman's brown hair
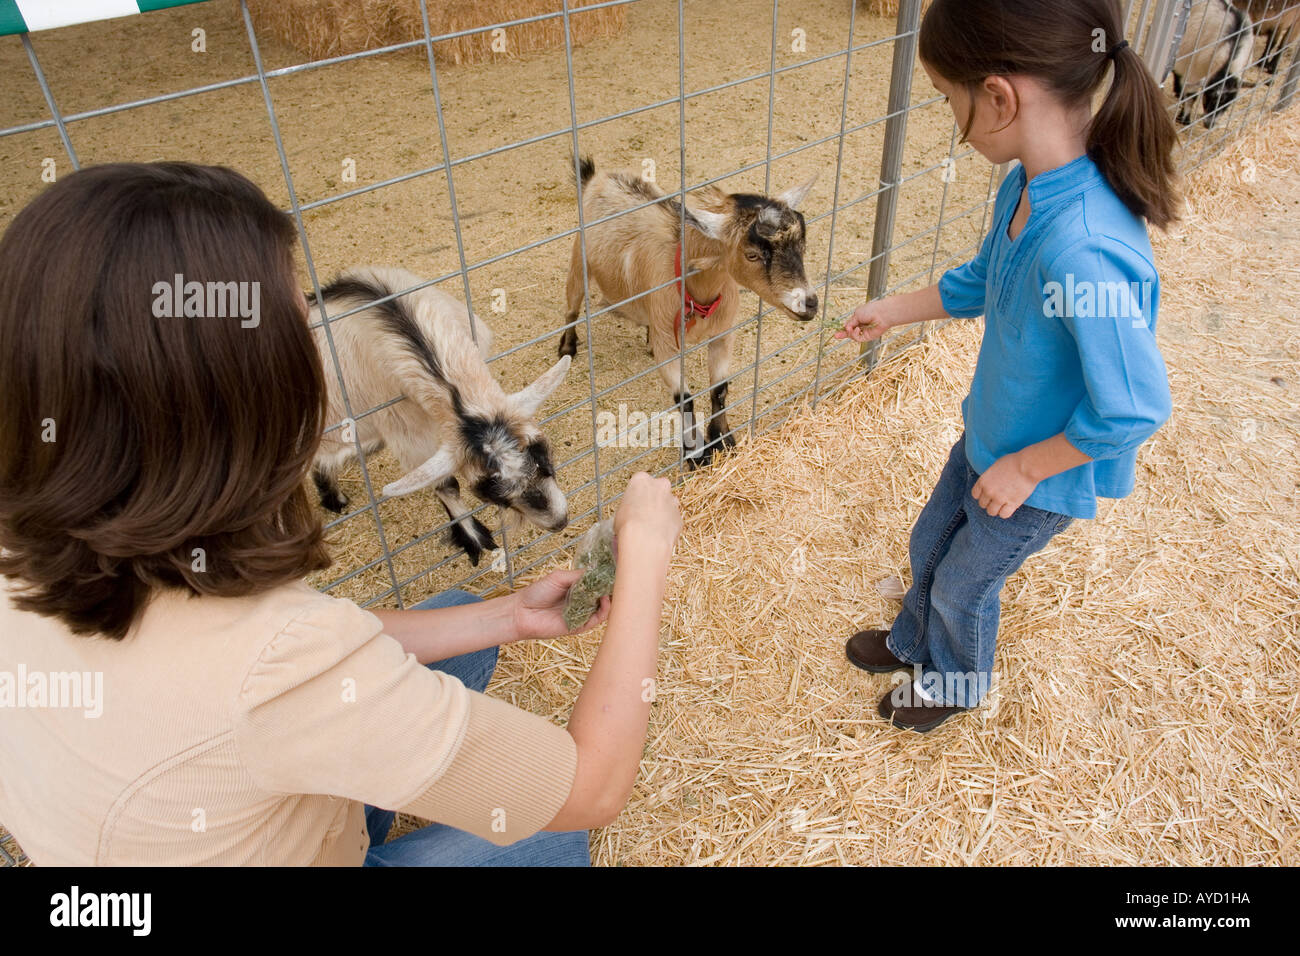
{"points": [[1068, 44], [138, 451]]}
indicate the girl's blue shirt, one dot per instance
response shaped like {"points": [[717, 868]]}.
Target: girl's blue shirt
{"points": [[1069, 344]]}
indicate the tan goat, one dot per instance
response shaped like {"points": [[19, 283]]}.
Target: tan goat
{"points": [[734, 239], [455, 418]]}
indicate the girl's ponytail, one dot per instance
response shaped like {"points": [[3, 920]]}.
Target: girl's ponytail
{"points": [[1132, 139]]}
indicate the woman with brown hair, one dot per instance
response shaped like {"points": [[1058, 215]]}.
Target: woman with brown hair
{"points": [[177, 693]]}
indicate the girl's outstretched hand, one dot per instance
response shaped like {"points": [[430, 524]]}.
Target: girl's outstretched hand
{"points": [[868, 322], [539, 608]]}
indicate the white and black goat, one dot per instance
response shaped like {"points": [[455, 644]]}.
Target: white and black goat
{"points": [[455, 419], [1216, 50], [734, 239]]}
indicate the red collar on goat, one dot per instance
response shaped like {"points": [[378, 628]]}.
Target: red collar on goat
{"points": [[693, 309]]}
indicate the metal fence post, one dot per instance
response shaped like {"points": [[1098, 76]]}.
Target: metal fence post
{"points": [[891, 161], [1168, 25]]}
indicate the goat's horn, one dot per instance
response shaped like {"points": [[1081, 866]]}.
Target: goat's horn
{"points": [[529, 400], [432, 472]]}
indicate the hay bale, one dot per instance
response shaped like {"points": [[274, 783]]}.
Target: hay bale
{"points": [[326, 28], [880, 8]]}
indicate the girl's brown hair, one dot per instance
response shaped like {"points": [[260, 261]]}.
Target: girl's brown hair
{"points": [[140, 452], [1067, 44]]}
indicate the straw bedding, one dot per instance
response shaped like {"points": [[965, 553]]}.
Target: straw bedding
{"points": [[1147, 661]]}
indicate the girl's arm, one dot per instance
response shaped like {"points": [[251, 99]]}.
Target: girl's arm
{"points": [[1010, 480], [874, 319]]}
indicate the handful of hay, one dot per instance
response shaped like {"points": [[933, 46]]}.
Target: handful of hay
{"points": [[596, 554]]}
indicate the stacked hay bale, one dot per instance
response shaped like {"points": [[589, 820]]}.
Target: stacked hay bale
{"points": [[880, 8], [326, 28]]}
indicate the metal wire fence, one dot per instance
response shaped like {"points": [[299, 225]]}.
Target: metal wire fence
{"points": [[826, 86], [926, 210]]}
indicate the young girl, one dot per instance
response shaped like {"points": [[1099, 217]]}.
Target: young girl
{"points": [[1069, 380], [185, 697]]}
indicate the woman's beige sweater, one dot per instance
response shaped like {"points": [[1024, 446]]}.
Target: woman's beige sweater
{"points": [[252, 731]]}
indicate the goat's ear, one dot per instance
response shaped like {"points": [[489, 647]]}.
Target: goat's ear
{"points": [[528, 400], [441, 466], [709, 223], [793, 197]]}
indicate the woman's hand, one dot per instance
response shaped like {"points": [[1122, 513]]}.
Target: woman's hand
{"points": [[648, 516], [539, 608], [869, 322], [1004, 486]]}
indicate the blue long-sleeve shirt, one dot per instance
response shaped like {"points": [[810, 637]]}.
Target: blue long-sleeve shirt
{"points": [[1069, 341]]}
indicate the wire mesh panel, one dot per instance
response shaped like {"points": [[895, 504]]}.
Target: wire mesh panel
{"points": [[453, 150]]}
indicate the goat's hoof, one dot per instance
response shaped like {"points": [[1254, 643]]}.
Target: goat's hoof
{"points": [[336, 502], [568, 344], [699, 459], [474, 540]]}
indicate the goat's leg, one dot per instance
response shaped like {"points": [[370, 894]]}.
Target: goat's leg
{"points": [[1184, 107], [720, 435], [665, 351], [1277, 44], [573, 298], [466, 531], [327, 486]]}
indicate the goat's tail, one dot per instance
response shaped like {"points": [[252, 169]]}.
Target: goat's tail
{"points": [[586, 169]]}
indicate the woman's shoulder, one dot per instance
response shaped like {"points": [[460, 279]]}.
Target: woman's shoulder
{"points": [[297, 622]]}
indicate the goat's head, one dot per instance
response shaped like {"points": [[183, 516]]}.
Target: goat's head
{"points": [[502, 456], [763, 246]]}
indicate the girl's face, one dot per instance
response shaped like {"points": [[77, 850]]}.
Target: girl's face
{"points": [[996, 108]]}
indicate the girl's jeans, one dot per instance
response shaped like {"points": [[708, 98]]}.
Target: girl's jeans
{"points": [[961, 558], [439, 845]]}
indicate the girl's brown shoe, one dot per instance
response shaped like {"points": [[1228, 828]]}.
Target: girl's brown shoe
{"points": [[867, 650], [922, 718]]}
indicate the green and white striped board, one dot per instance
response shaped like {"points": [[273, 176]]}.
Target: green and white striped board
{"points": [[24, 16]]}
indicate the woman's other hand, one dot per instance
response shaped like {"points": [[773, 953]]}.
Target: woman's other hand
{"points": [[539, 608], [648, 516]]}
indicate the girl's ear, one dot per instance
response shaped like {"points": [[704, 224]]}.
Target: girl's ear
{"points": [[1005, 100]]}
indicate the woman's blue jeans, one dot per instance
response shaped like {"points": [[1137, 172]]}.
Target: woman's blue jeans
{"points": [[439, 845], [961, 557]]}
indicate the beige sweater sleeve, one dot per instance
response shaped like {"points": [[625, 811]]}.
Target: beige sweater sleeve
{"points": [[332, 705]]}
